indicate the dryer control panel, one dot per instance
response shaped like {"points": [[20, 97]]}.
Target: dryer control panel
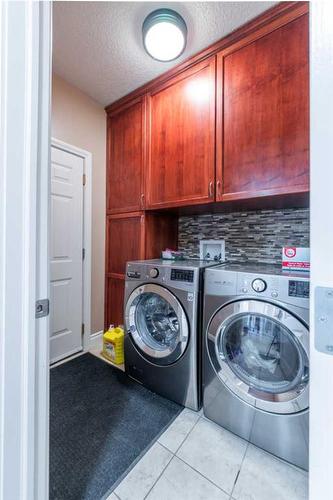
{"points": [[297, 288], [265, 286], [289, 289]]}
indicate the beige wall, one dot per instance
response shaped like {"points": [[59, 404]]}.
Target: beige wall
{"points": [[79, 120]]}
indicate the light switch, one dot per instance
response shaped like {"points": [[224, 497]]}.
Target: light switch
{"points": [[324, 319]]}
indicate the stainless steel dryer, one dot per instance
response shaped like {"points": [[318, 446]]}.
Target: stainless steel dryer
{"points": [[256, 356], [163, 324]]}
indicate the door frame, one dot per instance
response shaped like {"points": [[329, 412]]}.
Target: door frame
{"points": [[25, 84], [321, 244], [24, 389], [87, 217]]}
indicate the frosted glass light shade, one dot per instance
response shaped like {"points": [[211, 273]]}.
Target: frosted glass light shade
{"points": [[164, 34]]}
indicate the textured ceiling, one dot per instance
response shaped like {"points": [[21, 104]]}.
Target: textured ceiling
{"points": [[97, 46]]}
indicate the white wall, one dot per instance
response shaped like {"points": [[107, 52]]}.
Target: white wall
{"points": [[80, 121], [321, 374]]}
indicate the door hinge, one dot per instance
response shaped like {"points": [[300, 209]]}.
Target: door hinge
{"points": [[82, 329], [84, 179], [42, 308], [83, 253]]}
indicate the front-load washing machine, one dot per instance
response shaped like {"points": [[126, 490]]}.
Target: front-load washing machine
{"points": [[163, 305], [256, 356]]}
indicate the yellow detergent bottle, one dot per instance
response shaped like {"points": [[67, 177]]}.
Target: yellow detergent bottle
{"points": [[113, 345]]}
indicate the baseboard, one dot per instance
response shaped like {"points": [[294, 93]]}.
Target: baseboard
{"points": [[94, 336]]}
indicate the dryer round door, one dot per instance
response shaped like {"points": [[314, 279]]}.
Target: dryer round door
{"points": [[261, 353], [157, 324]]}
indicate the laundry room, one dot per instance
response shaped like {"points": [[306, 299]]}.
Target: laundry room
{"points": [[179, 251]]}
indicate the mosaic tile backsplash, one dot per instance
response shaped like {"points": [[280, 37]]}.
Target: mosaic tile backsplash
{"points": [[252, 236]]}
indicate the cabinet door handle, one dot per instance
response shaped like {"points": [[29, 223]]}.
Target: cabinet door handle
{"points": [[219, 188], [142, 200], [211, 189]]}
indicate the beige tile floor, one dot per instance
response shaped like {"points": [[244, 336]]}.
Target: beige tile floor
{"points": [[195, 459]]}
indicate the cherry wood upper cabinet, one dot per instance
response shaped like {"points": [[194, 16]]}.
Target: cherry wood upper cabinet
{"points": [[181, 142], [263, 114], [125, 157]]}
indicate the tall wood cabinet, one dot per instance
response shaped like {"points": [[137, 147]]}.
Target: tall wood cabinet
{"points": [[124, 241], [132, 236]]}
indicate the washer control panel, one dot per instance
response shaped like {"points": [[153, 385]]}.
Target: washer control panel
{"points": [[133, 274], [154, 272], [177, 277], [186, 275], [259, 285]]}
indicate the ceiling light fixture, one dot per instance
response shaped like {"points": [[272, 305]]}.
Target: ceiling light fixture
{"points": [[164, 34]]}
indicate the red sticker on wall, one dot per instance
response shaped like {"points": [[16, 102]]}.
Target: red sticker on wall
{"points": [[290, 252]]}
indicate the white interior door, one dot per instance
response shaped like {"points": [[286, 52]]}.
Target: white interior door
{"points": [[66, 264]]}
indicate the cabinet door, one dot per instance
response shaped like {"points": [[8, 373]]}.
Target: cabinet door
{"points": [[114, 301], [181, 113], [124, 241], [263, 133], [132, 236], [125, 162]]}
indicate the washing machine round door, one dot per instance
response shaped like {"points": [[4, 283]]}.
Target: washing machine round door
{"points": [[261, 353], [157, 324]]}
